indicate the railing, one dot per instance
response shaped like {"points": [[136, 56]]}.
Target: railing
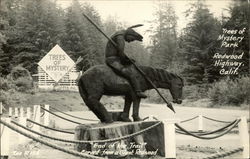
{"points": [[29, 125]]}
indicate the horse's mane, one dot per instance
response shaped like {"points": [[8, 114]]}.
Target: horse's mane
{"points": [[158, 74]]}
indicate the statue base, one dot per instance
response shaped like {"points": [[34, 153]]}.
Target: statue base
{"points": [[149, 143]]}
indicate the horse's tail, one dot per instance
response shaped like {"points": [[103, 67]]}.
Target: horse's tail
{"points": [[82, 90]]}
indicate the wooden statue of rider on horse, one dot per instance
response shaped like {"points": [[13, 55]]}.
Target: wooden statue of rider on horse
{"points": [[121, 76], [120, 62]]}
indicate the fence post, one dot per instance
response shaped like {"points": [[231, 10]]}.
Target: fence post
{"points": [[21, 112], [200, 124], [244, 136], [16, 112], [5, 139], [36, 115], [10, 112], [28, 114], [169, 138], [1, 108], [46, 116]]}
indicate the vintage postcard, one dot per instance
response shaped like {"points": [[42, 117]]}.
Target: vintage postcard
{"points": [[124, 79]]}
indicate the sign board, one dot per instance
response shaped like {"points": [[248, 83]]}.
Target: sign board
{"points": [[56, 63]]}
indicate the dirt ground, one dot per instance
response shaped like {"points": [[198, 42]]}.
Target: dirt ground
{"points": [[187, 147]]}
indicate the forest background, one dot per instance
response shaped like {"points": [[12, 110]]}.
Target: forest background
{"points": [[30, 28]]}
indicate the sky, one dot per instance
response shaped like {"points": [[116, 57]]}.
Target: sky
{"points": [[133, 12]]}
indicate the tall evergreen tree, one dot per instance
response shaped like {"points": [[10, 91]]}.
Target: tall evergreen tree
{"points": [[95, 40], [238, 20], [36, 31], [73, 39], [198, 40], [4, 24], [138, 52], [111, 25], [164, 36], [81, 38]]}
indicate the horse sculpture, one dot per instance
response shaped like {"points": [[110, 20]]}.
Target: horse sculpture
{"points": [[102, 80]]}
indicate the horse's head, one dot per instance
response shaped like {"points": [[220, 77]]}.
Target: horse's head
{"points": [[166, 80], [176, 87], [132, 35]]}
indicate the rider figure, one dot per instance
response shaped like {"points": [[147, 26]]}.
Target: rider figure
{"points": [[117, 59]]}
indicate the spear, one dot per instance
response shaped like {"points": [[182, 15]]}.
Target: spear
{"points": [[169, 105]]}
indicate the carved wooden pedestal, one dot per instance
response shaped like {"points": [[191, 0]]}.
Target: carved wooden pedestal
{"points": [[149, 143]]}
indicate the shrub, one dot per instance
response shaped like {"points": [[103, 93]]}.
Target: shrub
{"points": [[5, 98], [10, 97], [195, 91], [231, 92], [191, 92], [23, 84], [12, 87], [18, 79], [6, 84], [19, 72]]}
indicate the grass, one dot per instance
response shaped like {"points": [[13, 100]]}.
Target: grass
{"points": [[64, 101]]}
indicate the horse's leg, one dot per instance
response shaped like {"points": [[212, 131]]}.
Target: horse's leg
{"points": [[94, 104], [125, 114], [136, 105]]}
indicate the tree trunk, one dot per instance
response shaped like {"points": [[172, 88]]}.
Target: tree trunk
{"points": [[149, 143]]}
